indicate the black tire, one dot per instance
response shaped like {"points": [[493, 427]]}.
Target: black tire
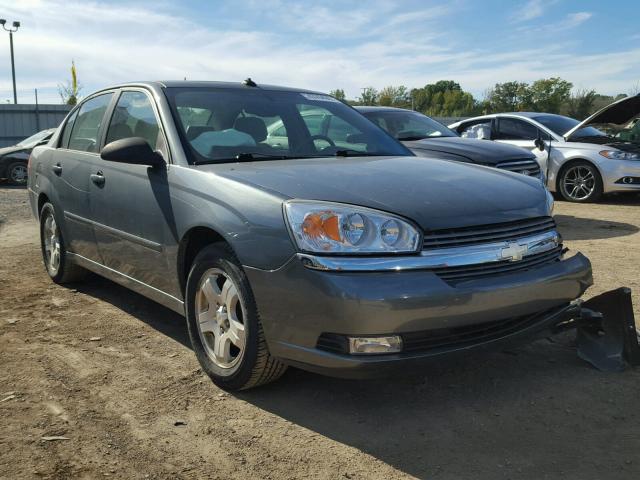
{"points": [[596, 190], [255, 366], [66, 271], [16, 173]]}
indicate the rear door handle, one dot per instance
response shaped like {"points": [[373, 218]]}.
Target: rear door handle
{"points": [[98, 178], [57, 169]]}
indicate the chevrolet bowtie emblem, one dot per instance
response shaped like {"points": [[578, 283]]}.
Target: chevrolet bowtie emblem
{"points": [[513, 252]]}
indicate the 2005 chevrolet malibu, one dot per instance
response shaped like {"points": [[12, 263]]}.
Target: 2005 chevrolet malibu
{"points": [[337, 252]]}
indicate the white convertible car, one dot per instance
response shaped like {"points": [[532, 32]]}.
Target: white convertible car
{"points": [[582, 162]]}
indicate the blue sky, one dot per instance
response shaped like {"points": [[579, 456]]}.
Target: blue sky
{"points": [[323, 45]]}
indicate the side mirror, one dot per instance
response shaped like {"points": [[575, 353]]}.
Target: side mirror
{"points": [[538, 142], [133, 150]]}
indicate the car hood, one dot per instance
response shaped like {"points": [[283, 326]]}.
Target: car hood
{"points": [[477, 151], [618, 113], [9, 150], [435, 194]]}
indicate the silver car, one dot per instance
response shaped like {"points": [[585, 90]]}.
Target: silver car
{"points": [[583, 160]]}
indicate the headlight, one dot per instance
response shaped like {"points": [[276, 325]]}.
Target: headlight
{"points": [[550, 203], [619, 155], [323, 227]]}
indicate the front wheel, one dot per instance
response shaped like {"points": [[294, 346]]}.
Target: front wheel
{"points": [[223, 323], [580, 182]]}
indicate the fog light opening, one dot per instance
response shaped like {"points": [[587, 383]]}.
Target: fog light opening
{"points": [[375, 345], [627, 180]]}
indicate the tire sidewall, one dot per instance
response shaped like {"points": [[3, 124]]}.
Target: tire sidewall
{"points": [[220, 257], [598, 188], [46, 210], [10, 170]]}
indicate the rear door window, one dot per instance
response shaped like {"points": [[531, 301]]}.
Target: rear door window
{"points": [[514, 129], [66, 133], [86, 128], [480, 129]]}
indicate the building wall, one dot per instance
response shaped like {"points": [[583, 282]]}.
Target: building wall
{"points": [[18, 122]]}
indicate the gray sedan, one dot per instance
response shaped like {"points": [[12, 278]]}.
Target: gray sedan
{"points": [[337, 252]]}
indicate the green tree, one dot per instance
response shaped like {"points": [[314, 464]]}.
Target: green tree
{"points": [[339, 94], [444, 98], [549, 94], [369, 96], [508, 97], [580, 104], [394, 97], [70, 91]]}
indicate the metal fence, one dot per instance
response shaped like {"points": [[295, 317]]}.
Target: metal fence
{"points": [[18, 122]]}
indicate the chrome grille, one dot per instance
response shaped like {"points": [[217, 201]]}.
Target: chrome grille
{"points": [[456, 237], [470, 272], [526, 167]]}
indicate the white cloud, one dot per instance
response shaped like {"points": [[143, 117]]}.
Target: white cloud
{"points": [[532, 9], [123, 42], [578, 18]]}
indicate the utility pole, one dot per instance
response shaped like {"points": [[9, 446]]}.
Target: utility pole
{"points": [[14, 28]]}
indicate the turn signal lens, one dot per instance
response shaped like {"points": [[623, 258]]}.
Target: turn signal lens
{"points": [[324, 224]]}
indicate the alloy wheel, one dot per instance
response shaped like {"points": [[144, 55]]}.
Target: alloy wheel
{"points": [[220, 319], [18, 174], [579, 182], [51, 237]]}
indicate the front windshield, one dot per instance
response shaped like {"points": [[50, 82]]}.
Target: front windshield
{"points": [[33, 140], [229, 124], [560, 125], [408, 125]]}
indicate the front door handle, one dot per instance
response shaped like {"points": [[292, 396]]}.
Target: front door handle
{"points": [[98, 178], [57, 169]]}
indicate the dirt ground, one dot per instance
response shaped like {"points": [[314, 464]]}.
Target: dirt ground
{"points": [[113, 375]]}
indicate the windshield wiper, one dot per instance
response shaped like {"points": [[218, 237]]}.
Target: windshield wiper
{"points": [[245, 157], [409, 138], [355, 153]]}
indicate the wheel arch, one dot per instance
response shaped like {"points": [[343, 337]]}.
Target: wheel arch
{"points": [[42, 199], [191, 243]]}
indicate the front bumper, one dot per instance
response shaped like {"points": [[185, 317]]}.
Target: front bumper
{"points": [[297, 305], [614, 170]]}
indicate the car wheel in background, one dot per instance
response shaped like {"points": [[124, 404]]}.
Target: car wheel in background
{"points": [[224, 325], [59, 267], [17, 173], [580, 182]]}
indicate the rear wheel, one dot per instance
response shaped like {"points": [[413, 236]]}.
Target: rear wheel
{"points": [[17, 173], [54, 253], [580, 182], [224, 325]]}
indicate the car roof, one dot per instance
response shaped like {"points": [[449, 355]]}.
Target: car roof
{"points": [[533, 114], [207, 84], [365, 109]]}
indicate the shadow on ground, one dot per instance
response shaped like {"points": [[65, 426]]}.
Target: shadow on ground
{"points": [[578, 228], [535, 412], [153, 314], [7, 186]]}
